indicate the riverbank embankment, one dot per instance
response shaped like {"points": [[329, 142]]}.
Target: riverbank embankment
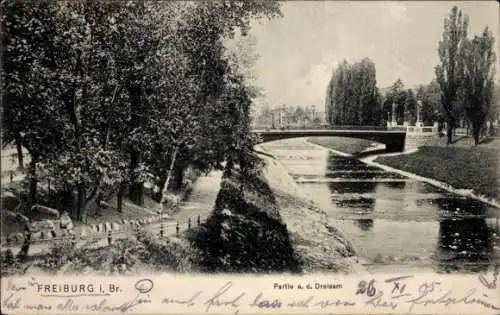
{"points": [[319, 246], [262, 222]]}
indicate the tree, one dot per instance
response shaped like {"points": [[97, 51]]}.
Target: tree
{"points": [[352, 95], [430, 96], [368, 106], [495, 104], [410, 107], [478, 83], [329, 103], [449, 73], [107, 95], [31, 111], [396, 94]]}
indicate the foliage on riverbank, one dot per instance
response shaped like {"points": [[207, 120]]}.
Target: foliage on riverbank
{"points": [[346, 145], [474, 168], [98, 119], [144, 254], [245, 232]]}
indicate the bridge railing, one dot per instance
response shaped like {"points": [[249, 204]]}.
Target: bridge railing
{"points": [[425, 129], [320, 127]]}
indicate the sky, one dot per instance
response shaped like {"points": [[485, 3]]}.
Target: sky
{"points": [[298, 52]]}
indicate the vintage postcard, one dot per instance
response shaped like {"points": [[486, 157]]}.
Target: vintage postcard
{"points": [[250, 157]]}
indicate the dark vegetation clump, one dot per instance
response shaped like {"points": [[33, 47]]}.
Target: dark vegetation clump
{"points": [[144, 253], [245, 232]]}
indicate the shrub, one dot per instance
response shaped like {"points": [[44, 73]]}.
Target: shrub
{"points": [[124, 256], [169, 254]]}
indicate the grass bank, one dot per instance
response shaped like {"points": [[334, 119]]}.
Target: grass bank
{"points": [[346, 145], [459, 165]]}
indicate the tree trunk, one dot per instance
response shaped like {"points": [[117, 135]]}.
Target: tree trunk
{"points": [[119, 197], [80, 202], [23, 253], [449, 132], [33, 182], [229, 167], [178, 177], [20, 157], [135, 192], [244, 165], [476, 132], [160, 184], [476, 138], [164, 193]]}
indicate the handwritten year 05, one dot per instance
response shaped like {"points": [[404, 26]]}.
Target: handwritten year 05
{"points": [[489, 282], [367, 288]]}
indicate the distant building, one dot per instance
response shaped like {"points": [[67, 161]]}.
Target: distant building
{"points": [[290, 117]]}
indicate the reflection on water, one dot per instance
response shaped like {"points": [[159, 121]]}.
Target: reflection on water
{"points": [[391, 219], [465, 245], [365, 224]]}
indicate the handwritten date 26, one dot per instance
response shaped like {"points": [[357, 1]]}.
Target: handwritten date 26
{"points": [[367, 288]]}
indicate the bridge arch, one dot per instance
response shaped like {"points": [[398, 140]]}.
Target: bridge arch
{"points": [[393, 140]]}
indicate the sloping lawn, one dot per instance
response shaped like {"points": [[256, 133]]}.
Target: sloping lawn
{"points": [[462, 167], [346, 145]]}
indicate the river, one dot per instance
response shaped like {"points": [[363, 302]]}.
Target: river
{"points": [[394, 222]]}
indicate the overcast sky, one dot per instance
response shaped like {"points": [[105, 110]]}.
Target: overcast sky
{"points": [[298, 52]]}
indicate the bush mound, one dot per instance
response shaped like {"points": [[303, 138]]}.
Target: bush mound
{"points": [[245, 232]]}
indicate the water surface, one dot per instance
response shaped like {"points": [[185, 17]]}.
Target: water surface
{"points": [[393, 220]]}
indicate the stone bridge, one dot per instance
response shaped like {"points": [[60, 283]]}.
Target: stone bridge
{"points": [[393, 140]]}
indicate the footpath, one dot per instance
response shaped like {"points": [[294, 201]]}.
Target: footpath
{"points": [[195, 209]]}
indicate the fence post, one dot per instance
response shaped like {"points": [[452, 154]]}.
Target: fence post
{"points": [[11, 175], [177, 229], [110, 238], [161, 229], [189, 223], [48, 184], [199, 220]]}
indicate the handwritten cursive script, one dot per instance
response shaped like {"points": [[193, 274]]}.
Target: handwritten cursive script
{"points": [[489, 283], [188, 302], [220, 298], [395, 294], [426, 298]]}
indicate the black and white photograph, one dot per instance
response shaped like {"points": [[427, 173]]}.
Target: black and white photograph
{"points": [[250, 138]]}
